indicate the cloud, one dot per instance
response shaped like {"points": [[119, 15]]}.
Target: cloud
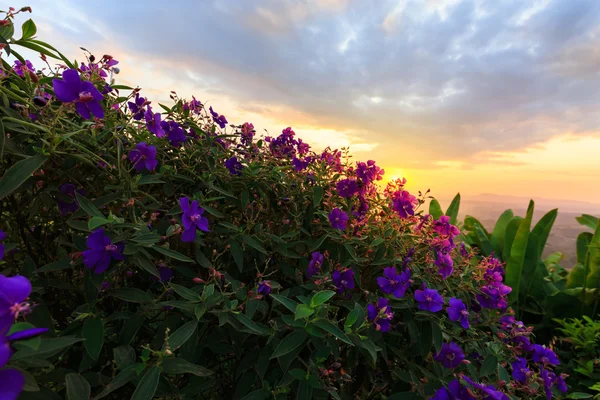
{"points": [[444, 80]]}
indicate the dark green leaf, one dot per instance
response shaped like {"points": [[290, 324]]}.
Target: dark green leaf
{"points": [[131, 295], [29, 29], [250, 241], [172, 254], [77, 387], [184, 292], [287, 303], [145, 264], [453, 208], [490, 364], [124, 356], [248, 323], [237, 253], [88, 206], [93, 333], [19, 173], [437, 336], [334, 330], [177, 366], [147, 387], [317, 195], [304, 391], [435, 209], [59, 265], [123, 378], [303, 311], [291, 342], [181, 335], [47, 347]]}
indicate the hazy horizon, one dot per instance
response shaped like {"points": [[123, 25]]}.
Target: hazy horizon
{"points": [[467, 96]]}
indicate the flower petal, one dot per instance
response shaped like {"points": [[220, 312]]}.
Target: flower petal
{"points": [[27, 333], [189, 235], [16, 289], [83, 110], [96, 108], [11, 384], [63, 91]]}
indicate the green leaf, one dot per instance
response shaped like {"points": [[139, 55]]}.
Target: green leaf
{"points": [[145, 264], [250, 241], [123, 378], [97, 221], [453, 208], [19, 173], [181, 335], [29, 30], [7, 31], [88, 206], [29, 382], [484, 242], [124, 356], [172, 254], [317, 195], [146, 239], [334, 330], [47, 347], [290, 343], [514, 266], [435, 209], [425, 338], [509, 235], [33, 343], [59, 265], [490, 364], [184, 292], [303, 311], [131, 295], [498, 234], [178, 366], [579, 395], [587, 220], [249, 323], [147, 387], [238, 254], [437, 336], [201, 258], [287, 303], [321, 297], [200, 310], [77, 387], [93, 333], [304, 391], [583, 241], [258, 394]]}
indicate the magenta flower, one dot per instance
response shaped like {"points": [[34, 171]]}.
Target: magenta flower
{"points": [[544, 355], [454, 391], [443, 227], [394, 282], [2, 248], [100, 251], [248, 133], [11, 384], [489, 390], [404, 203], [153, 123], [193, 105], [264, 287], [429, 300], [85, 95], [175, 133], [445, 264], [458, 312], [13, 293], [494, 296], [65, 207], [300, 164], [219, 119], [343, 280], [234, 166], [22, 69], [192, 218], [165, 273], [520, 372], [314, 266], [347, 188], [338, 219], [137, 107], [450, 355], [143, 157], [368, 172]]}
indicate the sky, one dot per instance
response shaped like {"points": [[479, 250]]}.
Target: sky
{"points": [[465, 96]]}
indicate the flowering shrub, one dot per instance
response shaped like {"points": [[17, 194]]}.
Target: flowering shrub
{"points": [[179, 256]]}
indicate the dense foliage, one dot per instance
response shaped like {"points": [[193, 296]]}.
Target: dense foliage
{"points": [[176, 255]]}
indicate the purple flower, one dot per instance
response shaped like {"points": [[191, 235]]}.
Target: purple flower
{"points": [[234, 166], [455, 391], [193, 105], [548, 378], [85, 95], [445, 264], [544, 355], [302, 147], [560, 384], [347, 188], [192, 218], [450, 355], [489, 390], [429, 300], [219, 119], [100, 251], [264, 287], [445, 228], [314, 266], [343, 280], [153, 123], [137, 107], [165, 273], [394, 282], [494, 296], [300, 164], [247, 133], [22, 69], [457, 311], [368, 172], [13, 293], [381, 315], [11, 384], [403, 203], [175, 133], [143, 157], [338, 219], [520, 370], [2, 248], [104, 286]]}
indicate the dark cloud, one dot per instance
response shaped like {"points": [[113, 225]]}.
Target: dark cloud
{"points": [[473, 76]]}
